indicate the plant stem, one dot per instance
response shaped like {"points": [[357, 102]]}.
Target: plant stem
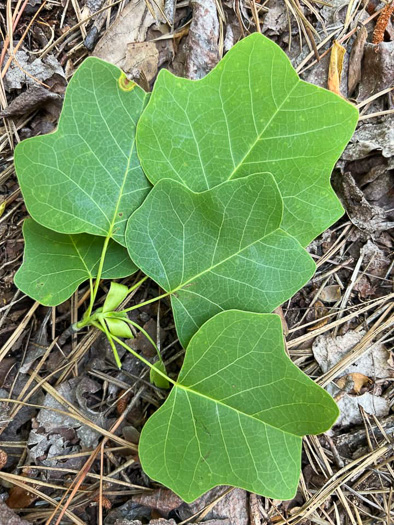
{"points": [[146, 302], [110, 340], [138, 284], [98, 276], [145, 334], [145, 361]]}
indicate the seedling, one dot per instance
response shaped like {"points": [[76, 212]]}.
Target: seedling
{"points": [[213, 189]]}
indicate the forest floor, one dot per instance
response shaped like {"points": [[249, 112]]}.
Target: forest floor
{"points": [[339, 327]]}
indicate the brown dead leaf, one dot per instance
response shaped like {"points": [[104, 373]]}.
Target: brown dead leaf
{"points": [[20, 497], [320, 311], [354, 382], [378, 69], [355, 60], [331, 294], [369, 219], [163, 500], [131, 26], [30, 100], [143, 56], [285, 328], [335, 67]]}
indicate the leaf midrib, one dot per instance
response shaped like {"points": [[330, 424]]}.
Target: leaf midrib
{"points": [[188, 390], [207, 270], [260, 135]]}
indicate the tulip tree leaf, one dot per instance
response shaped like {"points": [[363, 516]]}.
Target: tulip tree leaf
{"points": [[86, 177], [55, 264], [236, 414], [251, 114], [217, 250]]}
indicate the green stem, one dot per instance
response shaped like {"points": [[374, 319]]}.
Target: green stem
{"points": [[145, 361], [98, 276], [145, 334], [91, 303], [104, 328], [138, 284], [154, 299]]}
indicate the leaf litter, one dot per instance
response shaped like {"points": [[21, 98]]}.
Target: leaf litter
{"points": [[372, 141]]}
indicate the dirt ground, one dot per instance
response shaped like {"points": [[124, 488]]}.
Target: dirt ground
{"points": [[66, 409]]}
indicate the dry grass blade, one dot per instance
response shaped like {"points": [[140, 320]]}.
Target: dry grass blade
{"points": [[341, 477], [85, 469], [106, 433], [18, 332], [363, 346], [16, 480], [307, 337]]}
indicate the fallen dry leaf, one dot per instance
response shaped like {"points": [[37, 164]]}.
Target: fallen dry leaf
{"points": [[369, 219], [131, 26], [20, 497], [371, 137], [141, 344], [147, 58], [335, 67], [331, 294], [143, 56], [163, 500], [329, 350], [377, 71], [24, 71], [232, 507], [33, 98], [355, 60], [349, 407], [353, 382]]}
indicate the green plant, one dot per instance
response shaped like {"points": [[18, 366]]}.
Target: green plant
{"points": [[240, 164]]}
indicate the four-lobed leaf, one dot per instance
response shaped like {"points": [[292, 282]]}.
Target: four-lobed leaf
{"points": [[217, 250], [86, 177], [236, 414], [251, 114], [55, 264]]}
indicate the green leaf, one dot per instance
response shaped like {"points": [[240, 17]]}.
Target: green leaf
{"points": [[117, 293], [237, 413], [251, 114], [158, 379], [119, 328], [86, 176], [55, 264], [217, 250]]}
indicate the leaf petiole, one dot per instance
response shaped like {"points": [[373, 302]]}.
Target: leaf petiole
{"points": [[149, 301], [129, 321], [98, 277], [102, 326], [145, 361]]}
